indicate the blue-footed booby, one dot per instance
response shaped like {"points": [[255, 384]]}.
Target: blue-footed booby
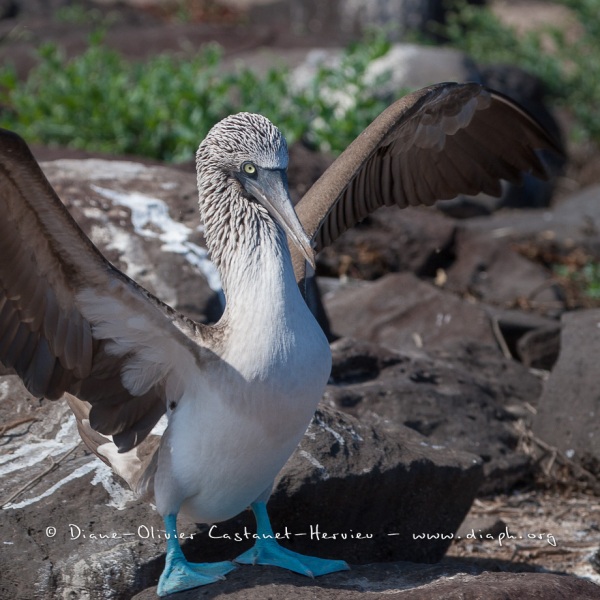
{"points": [[238, 394]]}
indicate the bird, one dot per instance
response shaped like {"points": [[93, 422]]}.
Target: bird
{"points": [[239, 394]]}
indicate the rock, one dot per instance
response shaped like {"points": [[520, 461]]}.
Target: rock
{"points": [[451, 580], [574, 222], [493, 272], [569, 407], [352, 477], [462, 398], [411, 66], [405, 67], [52, 531], [81, 526], [419, 240], [402, 312], [472, 262], [139, 216]]}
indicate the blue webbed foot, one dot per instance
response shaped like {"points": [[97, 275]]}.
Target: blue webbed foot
{"points": [[179, 574], [267, 551]]}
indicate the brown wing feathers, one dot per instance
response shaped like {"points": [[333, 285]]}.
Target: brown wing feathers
{"points": [[431, 145], [45, 259], [41, 336]]}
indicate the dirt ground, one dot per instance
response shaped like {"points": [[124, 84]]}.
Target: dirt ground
{"points": [[550, 531]]}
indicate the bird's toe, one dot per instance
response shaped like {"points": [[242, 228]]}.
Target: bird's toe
{"points": [[271, 553]]}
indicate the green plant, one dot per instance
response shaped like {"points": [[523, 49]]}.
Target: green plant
{"points": [[569, 68], [586, 278], [164, 107]]}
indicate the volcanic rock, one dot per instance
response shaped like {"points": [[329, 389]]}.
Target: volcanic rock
{"points": [[569, 407]]}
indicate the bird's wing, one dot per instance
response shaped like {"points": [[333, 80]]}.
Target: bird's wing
{"points": [[72, 322], [434, 144]]}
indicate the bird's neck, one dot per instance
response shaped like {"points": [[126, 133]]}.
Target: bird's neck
{"points": [[249, 250], [270, 332]]}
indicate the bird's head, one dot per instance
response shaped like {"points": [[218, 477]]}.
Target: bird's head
{"points": [[246, 155]]}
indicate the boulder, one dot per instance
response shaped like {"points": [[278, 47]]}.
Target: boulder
{"points": [[61, 507], [81, 528], [403, 312], [405, 67], [144, 219], [573, 223], [352, 476], [453, 580], [466, 397], [569, 407], [491, 271]]}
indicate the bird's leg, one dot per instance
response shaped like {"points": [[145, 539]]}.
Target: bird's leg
{"points": [[179, 574], [267, 551]]}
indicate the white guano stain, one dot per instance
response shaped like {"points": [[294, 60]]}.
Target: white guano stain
{"points": [[35, 454], [150, 219], [315, 463]]}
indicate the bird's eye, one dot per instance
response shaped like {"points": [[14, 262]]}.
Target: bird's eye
{"points": [[249, 168]]}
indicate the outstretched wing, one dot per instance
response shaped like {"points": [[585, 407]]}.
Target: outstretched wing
{"points": [[434, 144], [72, 322]]}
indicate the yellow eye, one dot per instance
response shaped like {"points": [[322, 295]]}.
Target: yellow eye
{"points": [[249, 168]]}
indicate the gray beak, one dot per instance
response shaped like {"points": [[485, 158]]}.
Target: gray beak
{"points": [[271, 190]]}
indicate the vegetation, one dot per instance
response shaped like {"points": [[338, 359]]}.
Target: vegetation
{"points": [[164, 107], [584, 280]]}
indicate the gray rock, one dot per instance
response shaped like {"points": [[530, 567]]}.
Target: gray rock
{"points": [[145, 220], [569, 407], [351, 476], [462, 398], [405, 67], [54, 531], [491, 271], [402, 312], [345, 477], [451, 580], [573, 222], [411, 66]]}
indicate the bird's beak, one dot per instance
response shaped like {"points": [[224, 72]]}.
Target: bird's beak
{"points": [[270, 188]]}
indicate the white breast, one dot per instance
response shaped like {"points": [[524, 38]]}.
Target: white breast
{"points": [[241, 420]]}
